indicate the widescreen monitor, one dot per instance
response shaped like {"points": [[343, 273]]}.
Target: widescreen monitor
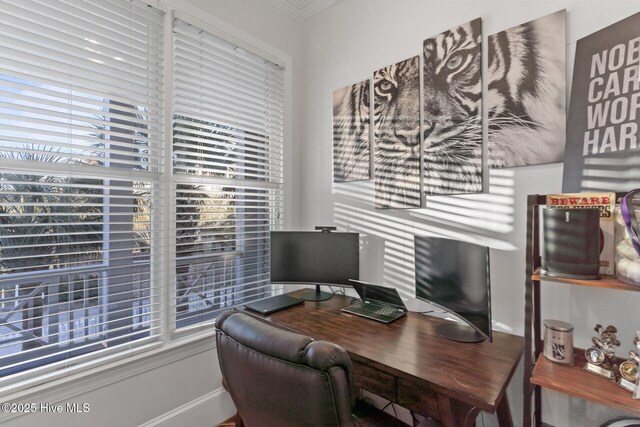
{"points": [[314, 257], [454, 276]]}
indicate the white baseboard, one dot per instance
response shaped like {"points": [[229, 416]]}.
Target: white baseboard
{"points": [[206, 411]]}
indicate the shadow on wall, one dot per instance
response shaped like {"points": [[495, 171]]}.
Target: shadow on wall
{"points": [[606, 173], [387, 234]]}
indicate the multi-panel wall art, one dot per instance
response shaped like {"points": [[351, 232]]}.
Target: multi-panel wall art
{"points": [[351, 133], [452, 119], [397, 135], [526, 98]]}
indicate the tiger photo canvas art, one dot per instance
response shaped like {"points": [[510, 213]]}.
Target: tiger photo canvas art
{"points": [[351, 133], [526, 93], [452, 118], [397, 135]]}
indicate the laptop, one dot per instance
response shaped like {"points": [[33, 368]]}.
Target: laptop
{"points": [[273, 304], [376, 302]]}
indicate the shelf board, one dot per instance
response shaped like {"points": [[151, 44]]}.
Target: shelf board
{"points": [[609, 282], [575, 381]]}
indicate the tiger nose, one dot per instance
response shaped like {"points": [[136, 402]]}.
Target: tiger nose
{"points": [[408, 137]]}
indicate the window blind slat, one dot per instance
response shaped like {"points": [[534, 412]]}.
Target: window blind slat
{"points": [[246, 103], [61, 99], [97, 92], [252, 156], [62, 17], [204, 160], [253, 134], [85, 75], [222, 78], [68, 121], [204, 50], [228, 301], [135, 25], [206, 136], [66, 310], [101, 118], [217, 53], [213, 112], [33, 355], [55, 43]]}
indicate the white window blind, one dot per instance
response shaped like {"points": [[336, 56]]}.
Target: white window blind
{"points": [[227, 150], [81, 118]]}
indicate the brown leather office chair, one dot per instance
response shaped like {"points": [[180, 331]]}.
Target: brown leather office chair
{"points": [[280, 378]]}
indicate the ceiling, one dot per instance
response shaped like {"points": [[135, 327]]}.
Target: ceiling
{"points": [[301, 9]]}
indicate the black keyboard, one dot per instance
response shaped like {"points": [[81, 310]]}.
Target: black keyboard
{"points": [[374, 308], [373, 311]]}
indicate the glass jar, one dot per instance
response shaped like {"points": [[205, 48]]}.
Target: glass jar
{"points": [[626, 258]]}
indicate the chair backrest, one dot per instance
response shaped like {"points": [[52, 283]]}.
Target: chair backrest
{"points": [[280, 378]]}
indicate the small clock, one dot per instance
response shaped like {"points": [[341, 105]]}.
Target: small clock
{"points": [[594, 355]]}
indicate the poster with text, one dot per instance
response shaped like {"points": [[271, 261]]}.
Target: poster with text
{"points": [[397, 135], [527, 95], [351, 133], [452, 121], [602, 151]]}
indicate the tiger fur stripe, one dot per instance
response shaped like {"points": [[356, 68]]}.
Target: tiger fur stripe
{"points": [[452, 122], [397, 135], [351, 133], [526, 93]]}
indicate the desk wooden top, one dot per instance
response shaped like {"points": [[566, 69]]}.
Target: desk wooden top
{"points": [[476, 373]]}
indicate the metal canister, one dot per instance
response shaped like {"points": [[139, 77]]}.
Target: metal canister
{"points": [[558, 341]]}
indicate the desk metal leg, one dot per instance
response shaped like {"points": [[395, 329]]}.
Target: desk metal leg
{"points": [[504, 413]]}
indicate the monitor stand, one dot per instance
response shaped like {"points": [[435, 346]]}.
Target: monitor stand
{"points": [[316, 295], [458, 332]]}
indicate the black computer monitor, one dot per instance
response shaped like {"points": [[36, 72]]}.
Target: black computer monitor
{"points": [[454, 276], [313, 257]]}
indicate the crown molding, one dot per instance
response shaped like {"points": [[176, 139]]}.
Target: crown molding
{"points": [[301, 9]]}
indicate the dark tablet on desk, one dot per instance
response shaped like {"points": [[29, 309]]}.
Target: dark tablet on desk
{"points": [[273, 304]]}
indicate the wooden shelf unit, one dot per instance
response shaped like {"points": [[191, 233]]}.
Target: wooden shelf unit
{"points": [[575, 381], [609, 282], [540, 372]]}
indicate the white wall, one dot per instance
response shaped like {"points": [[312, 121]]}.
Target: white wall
{"points": [[344, 44]]}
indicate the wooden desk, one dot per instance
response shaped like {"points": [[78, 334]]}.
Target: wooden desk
{"points": [[408, 363]]}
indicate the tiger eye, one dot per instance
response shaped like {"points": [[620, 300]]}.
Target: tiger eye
{"points": [[454, 62], [386, 86]]}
